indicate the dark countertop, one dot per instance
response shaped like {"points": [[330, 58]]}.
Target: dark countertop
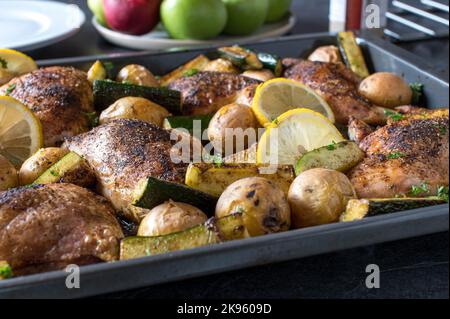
{"points": [[412, 268]]}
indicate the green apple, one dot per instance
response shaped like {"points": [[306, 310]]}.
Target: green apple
{"points": [[97, 9], [245, 16], [278, 10], [193, 19]]}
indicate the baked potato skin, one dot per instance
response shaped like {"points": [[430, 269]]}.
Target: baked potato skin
{"points": [[221, 65], [37, 164], [319, 196], [138, 75], [261, 75], [136, 108], [170, 217], [386, 90], [327, 54], [232, 116], [264, 206], [8, 175]]}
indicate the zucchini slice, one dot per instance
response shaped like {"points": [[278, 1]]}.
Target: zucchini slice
{"points": [[196, 64], [248, 60], [352, 54], [211, 232], [187, 122], [340, 157], [153, 191], [214, 179], [107, 92], [72, 168], [240, 57], [358, 209], [271, 62]]}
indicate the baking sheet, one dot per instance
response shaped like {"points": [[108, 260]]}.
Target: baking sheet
{"points": [[122, 275]]}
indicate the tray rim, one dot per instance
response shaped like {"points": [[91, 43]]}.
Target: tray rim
{"points": [[14, 285]]}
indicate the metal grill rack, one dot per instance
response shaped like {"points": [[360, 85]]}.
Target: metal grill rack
{"points": [[412, 20]]}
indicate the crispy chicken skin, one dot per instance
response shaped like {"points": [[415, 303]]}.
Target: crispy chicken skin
{"points": [[411, 152], [59, 96], [48, 227], [358, 130], [124, 152], [206, 92], [338, 86]]}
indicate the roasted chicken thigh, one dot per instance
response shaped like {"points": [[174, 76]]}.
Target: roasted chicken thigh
{"points": [[411, 152], [122, 153], [206, 92], [59, 96], [47, 227], [338, 86]]}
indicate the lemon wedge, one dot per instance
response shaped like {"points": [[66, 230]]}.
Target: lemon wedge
{"points": [[16, 62], [293, 134], [20, 131], [278, 96]]}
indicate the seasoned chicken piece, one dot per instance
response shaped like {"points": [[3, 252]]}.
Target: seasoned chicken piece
{"points": [[59, 96], [338, 86], [412, 151], [358, 130], [206, 92], [48, 227], [122, 153]]}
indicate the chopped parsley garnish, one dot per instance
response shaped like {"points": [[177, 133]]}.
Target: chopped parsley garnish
{"points": [[191, 72], [3, 63], [10, 88], [240, 210], [442, 129], [54, 173], [5, 271], [331, 147], [93, 119], [216, 159], [394, 116], [395, 155], [417, 89], [419, 190], [443, 193]]}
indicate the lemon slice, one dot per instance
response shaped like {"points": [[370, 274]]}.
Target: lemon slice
{"points": [[278, 96], [293, 134], [20, 131], [16, 62]]}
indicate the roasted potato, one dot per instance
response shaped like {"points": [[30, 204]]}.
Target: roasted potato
{"points": [[8, 175], [386, 90], [228, 126], [135, 108], [319, 196], [329, 54], [264, 206], [37, 164], [261, 75], [221, 65], [170, 217], [137, 74]]}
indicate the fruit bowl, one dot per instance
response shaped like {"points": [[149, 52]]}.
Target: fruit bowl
{"points": [[159, 39]]}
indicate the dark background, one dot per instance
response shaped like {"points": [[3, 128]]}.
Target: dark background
{"points": [[412, 268]]}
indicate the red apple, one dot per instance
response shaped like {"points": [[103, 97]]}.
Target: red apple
{"points": [[132, 16]]}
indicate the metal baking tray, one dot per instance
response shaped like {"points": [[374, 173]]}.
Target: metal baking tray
{"points": [[123, 275]]}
